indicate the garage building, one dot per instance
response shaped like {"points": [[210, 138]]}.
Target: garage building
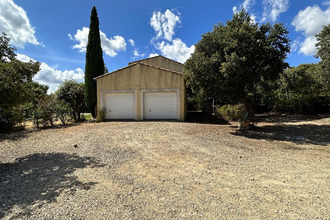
{"points": [[152, 88]]}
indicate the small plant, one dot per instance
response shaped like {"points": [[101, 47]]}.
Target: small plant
{"points": [[100, 115], [245, 121]]}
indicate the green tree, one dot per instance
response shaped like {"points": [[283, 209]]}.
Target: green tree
{"points": [[232, 60], [303, 89], [72, 93], [94, 62], [323, 47], [15, 83]]}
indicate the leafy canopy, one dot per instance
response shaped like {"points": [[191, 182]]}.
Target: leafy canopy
{"points": [[72, 93], [323, 47], [15, 76], [16, 86], [229, 62]]}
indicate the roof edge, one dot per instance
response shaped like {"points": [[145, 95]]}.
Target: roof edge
{"points": [[141, 63], [114, 71], [137, 61], [160, 68]]}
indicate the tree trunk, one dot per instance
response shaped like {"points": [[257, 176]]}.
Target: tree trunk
{"points": [[245, 101]]}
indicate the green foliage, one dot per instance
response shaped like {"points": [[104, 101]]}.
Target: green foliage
{"points": [[303, 89], [323, 48], [100, 115], [6, 50], [62, 111], [87, 116], [6, 119], [72, 93], [44, 111], [49, 109], [304, 104], [229, 62], [230, 112], [15, 85], [94, 62], [15, 80]]}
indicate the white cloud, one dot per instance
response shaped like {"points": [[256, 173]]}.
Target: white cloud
{"points": [[15, 22], [247, 4], [137, 54], [296, 44], [53, 77], [326, 3], [132, 42], [177, 50], [235, 10], [308, 46], [109, 46], [273, 8], [164, 24], [153, 55], [310, 21]]}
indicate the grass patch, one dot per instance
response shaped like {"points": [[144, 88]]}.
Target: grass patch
{"points": [[87, 116]]}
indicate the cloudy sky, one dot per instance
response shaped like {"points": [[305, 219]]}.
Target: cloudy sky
{"points": [[55, 32]]}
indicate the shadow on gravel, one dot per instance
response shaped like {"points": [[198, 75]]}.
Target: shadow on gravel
{"points": [[299, 134], [204, 118], [276, 118], [36, 179]]}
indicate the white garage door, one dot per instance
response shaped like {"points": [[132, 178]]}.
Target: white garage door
{"points": [[160, 105], [119, 105]]}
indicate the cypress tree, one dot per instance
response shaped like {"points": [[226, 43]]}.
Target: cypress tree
{"points": [[94, 62]]}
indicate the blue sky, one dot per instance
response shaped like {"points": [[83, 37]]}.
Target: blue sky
{"points": [[55, 32]]}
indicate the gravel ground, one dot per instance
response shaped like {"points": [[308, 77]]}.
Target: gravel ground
{"points": [[171, 170]]}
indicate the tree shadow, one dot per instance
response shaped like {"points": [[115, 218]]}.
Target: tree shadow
{"points": [[299, 134], [283, 118], [204, 118], [40, 178]]}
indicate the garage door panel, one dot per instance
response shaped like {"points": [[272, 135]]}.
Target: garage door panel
{"points": [[161, 105], [119, 105]]}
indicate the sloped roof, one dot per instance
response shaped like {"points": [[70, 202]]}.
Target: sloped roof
{"points": [[149, 58], [136, 63]]}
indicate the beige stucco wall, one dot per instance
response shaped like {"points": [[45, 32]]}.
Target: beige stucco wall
{"points": [[140, 78], [163, 62]]}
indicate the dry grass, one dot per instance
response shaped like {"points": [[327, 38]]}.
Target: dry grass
{"points": [[148, 170]]}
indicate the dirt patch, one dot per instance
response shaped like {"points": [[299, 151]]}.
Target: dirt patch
{"points": [[152, 170]]}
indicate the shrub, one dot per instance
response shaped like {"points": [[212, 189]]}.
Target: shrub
{"points": [[73, 93], [62, 111], [6, 120], [100, 115], [230, 112], [303, 105]]}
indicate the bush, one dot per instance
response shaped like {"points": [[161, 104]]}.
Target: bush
{"points": [[100, 115], [6, 120], [303, 105], [230, 112], [62, 111], [50, 109]]}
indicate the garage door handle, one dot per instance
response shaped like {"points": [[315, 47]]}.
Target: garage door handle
{"points": [[149, 110], [109, 110]]}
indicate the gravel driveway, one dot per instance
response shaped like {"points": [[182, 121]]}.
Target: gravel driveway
{"points": [[171, 170]]}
